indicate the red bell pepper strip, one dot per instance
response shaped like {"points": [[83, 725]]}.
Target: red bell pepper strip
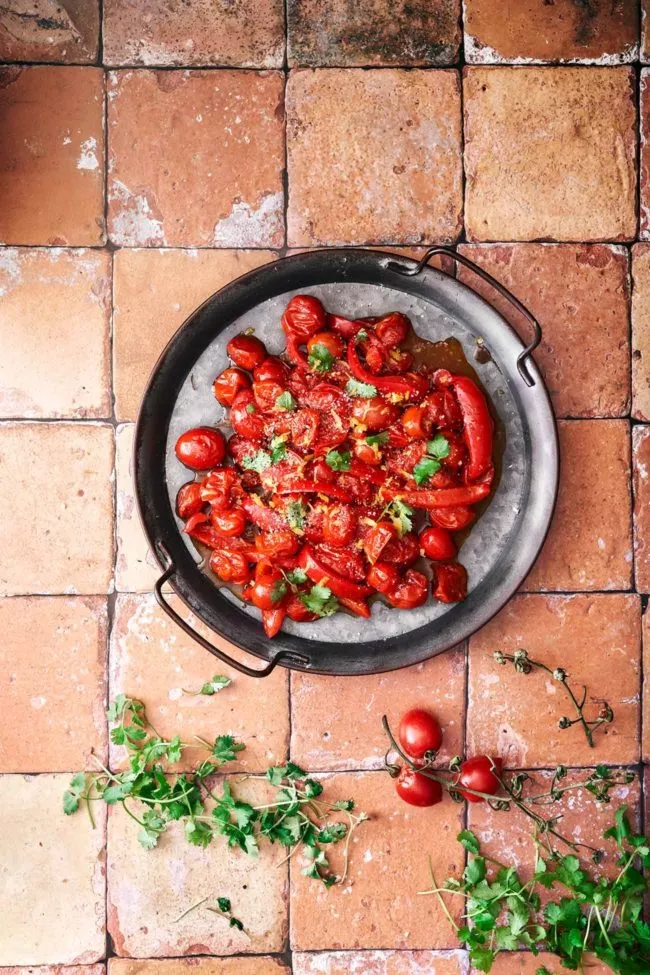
{"points": [[272, 620], [377, 539], [294, 352], [358, 606], [264, 517], [318, 487], [411, 386], [440, 497], [477, 425], [318, 573], [344, 326]]}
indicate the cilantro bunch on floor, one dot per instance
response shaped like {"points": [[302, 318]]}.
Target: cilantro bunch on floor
{"points": [[296, 818], [590, 915]]}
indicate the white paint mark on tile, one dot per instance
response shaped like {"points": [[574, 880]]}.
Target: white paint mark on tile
{"points": [[248, 227], [88, 158]]}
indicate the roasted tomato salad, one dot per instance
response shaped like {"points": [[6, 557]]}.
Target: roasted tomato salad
{"points": [[341, 449]]}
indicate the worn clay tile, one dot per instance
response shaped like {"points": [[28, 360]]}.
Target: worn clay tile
{"points": [[641, 332], [550, 154], [398, 182], [381, 963], [641, 486], [596, 639], [525, 963], [645, 744], [63, 31], [260, 965], [424, 32], [51, 155], [580, 295], [196, 158], [56, 970], [136, 569]]}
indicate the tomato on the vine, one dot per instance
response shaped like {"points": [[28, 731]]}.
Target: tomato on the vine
{"points": [[419, 733], [417, 789], [478, 774]]}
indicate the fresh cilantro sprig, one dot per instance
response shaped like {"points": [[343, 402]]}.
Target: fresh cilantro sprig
{"points": [[377, 439], [320, 601], [401, 515], [437, 450], [211, 687], [338, 460], [258, 461], [278, 448], [320, 358], [224, 907], [285, 401], [360, 390], [296, 515]]}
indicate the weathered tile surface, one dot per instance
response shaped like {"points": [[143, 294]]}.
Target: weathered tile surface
{"points": [[589, 545], [154, 291], [644, 162], [63, 471], [596, 639], [525, 963], [336, 724], [599, 31], [249, 34], [152, 659], [136, 570], [54, 325], [567, 141], [204, 124], [376, 905], [98, 969], [260, 965], [53, 679], [148, 890], [426, 32], [399, 182], [380, 963], [52, 876], [641, 331], [52, 156], [580, 295], [49, 30], [645, 697], [641, 486]]}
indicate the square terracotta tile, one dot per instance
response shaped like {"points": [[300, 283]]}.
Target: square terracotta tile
{"points": [[55, 686], [245, 35], [336, 723], [260, 965], [589, 545], [52, 155], [596, 639], [580, 295], [641, 486], [641, 331], [149, 889], [62, 472], [525, 963], [52, 875], [66, 31], [54, 308], [203, 125], [136, 569], [398, 181], [388, 863], [601, 32], [381, 963], [153, 660], [552, 133], [645, 697], [154, 291], [56, 970], [352, 35], [644, 162]]}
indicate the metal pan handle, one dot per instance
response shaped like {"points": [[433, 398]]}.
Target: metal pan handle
{"points": [[296, 658], [522, 364]]}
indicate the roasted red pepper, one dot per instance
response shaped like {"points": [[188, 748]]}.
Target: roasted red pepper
{"points": [[410, 386], [318, 573], [441, 498], [272, 620], [477, 425], [318, 487]]}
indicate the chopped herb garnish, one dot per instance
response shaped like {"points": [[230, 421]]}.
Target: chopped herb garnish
{"points": [[278, 449], [250, 407], [377, 439], [279, 591], [425, 469], [320, 601], [361, 335], [211, 687], [257, 462], [285, 401], [360, 390], [438, 447], [320, 358], [296, 577], [338, 460], [296, 514], [401, 516]]}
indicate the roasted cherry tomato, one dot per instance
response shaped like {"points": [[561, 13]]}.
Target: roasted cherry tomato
{"points": [[453, 519], [276, 543], [231, 566], [437, 544], [457, 455], [392, 329], [478, 774], [304, 427], [297, 611], [272, 620], [189, 500], [266, 394], [228, 384], [416, 789], [329, 341], [376, 540], [230, 522], [201, 448], [419, 733], [339, 525], [246, 351], [411, 591], [303, 317], [321, 471], [450, 583], [383, 577], [271, 370], [245, 416], [376, 413], [443, 409], [416, 423], [269, 587], [368, 453], [220, 487], [402, 551]]}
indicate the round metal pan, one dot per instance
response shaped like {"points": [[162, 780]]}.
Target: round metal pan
{"points": [[502, 546]]}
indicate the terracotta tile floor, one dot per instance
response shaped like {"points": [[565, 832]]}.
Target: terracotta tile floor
{"points": [[135, 179]]}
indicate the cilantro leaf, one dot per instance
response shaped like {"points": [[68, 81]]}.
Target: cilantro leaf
{"points": [[278, 449], [338, 460], [225, 748], [296, 515], [224, 904], [250, 408], [236, 923], [346, 805], [360, 390], [320, 358], [296, 576], [361, 335], [438, 447], [425, 469], [279, 591], [401, 515], [320, 601], [377, 439], [215, 685], [257, 462], [469, 840], [285, 401]]}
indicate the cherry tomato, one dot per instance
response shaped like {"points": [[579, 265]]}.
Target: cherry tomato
{"points": [[220, 486], [314, 526], [281, 542], [392, 329], [271, 370], [246, 351], [297, 611], [450, 583], [245, 418], [201, 448], [477, 773], [330, 341], [269, 587], [399, 361], [228, 384], [266, 394], [453, 519], [457, 455], [376, 540], [443, 409], [417, 789], [437, 544], [304, 427], [230, 522], [231, 566], [321, 471], [402, 551], [339, 525], [346, 562], [416, 423], [303, 317], [377, 413], [411, 591], [189, 500], [383, 577], [368, 453], [419, 733]]}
